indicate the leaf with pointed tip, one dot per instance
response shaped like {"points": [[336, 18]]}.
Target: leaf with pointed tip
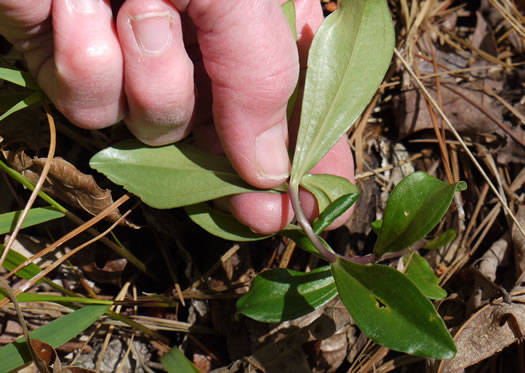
{"points": [[333, 211], [327, 188], [221, 224], [169, 176], [416, 205], [281, 294], [391, 310], [21, 78], [349, 56], [22, 104], [420, 272]]}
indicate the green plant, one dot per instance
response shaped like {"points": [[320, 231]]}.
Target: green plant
{"points": [[347, 61]]}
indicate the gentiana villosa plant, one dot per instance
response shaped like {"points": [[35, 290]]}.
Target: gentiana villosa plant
{"points": [[347, 61]]}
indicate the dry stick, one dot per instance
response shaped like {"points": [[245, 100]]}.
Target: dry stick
{"points": [[40, 275], [515, 24], [477, 209], [490, 116], [285, 260], [38, 186], [458, 137], [70, 235], [440, 136], [214, 267], [377, 171], [482, 54], [169, 263], [120, 296]]}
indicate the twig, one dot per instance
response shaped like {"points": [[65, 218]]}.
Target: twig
{"points": [[38, 186], [458, 137]]}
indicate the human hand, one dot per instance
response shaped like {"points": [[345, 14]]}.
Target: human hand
{"points": [[158, 67]]}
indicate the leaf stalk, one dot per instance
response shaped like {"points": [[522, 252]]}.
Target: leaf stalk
{"points": [[325, 253]]}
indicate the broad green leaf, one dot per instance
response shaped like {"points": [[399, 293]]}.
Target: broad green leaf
{"points": [[221, 224], [443, 240], [175, 362], [281, 294], [347, 61], [333, 211], [169, 176], [28, 101], [415, 206], [18, 77], [55, 333], [391, 310], [13, 259], [420, 272], [36, 216], [296, 234], [327, 188]]}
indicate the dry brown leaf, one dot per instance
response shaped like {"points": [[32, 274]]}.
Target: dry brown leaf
{"points": [[518, 240], [110, 273], [487, 332], [65, 183]]}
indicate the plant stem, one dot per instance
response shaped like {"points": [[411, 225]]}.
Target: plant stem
{"points": [[325, 253], [372, 258]]}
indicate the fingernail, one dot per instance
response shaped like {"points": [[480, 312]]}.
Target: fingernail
{"points": [[84, 6], [271, 154], [152, 31]]}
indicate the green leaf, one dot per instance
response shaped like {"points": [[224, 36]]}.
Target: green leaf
{"points": [[175, 362], [296, 234], [420, 272], [443, 240], [289, 12], [36, 216], [36, 297], [376, 226], [327, 188], [55, 333], [221, 224], [22, 180], [281, 294], [18, 77], [347, 61], [415, 206], [28, 101], [169, 176], [391, 310], [13, 259], [333, 211]]}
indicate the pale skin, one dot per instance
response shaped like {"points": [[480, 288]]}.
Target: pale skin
{"points": [[221, 69]]}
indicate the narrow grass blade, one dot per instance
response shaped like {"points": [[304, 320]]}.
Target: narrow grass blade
{"points": [[21, 78], [28, 101], [36, 216], [56, 333]]}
